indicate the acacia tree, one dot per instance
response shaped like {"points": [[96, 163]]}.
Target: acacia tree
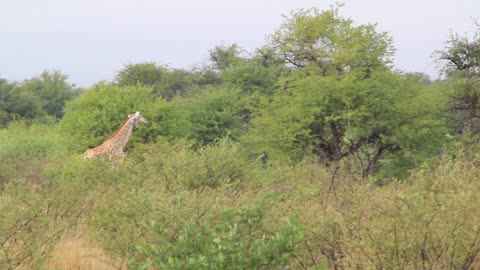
{"points": [[342, 100], [337, 117], [148, 73], [224, 56], [461, 65], [331, 43], [53, 89], [18, 103], [252, 73], [165, 82]]}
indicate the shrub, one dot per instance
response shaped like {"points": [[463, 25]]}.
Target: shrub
{"points": [[25, 149], [430, 222], [209, 166], [237, 242], [216, 113], [33, 218]]}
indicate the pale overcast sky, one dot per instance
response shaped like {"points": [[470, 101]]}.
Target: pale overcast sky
{"points": [[90, 40]]}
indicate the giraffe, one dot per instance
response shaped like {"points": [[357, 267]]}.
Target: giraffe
{"points": [[112, 148]]}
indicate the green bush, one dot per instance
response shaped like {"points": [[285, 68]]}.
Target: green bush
{"points": [[177, 165], [172, 185], [237, 242], [216, 113], [33, 218], [430, 221], [25, 149]]}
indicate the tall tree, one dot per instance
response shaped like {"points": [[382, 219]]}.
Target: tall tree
{"points": [[342, 99], [148, 74], [18, 103], [215, 113], [461, 66], [225, 56], [5, 89], [53, 89], [165, 82], [257, 74], [331, 43]]}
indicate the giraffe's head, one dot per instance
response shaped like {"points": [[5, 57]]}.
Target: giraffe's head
{"points": [[136, 118]]}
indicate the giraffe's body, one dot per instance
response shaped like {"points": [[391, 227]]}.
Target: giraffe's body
{"points": [[112, 148]]}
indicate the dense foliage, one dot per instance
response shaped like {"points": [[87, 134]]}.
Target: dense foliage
{"points": [[312, 152], [37, 98], [461, 66]]}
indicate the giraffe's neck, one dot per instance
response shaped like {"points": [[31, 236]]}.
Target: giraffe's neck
{"points": [[120, 138]]}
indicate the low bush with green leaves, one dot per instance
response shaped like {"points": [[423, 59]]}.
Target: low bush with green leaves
{"points": [[236, 242], [222, 163], [26, 148], [430, 221], [34, 217]]}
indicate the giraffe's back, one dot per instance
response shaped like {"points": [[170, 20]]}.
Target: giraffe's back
{"points": [[90, 153], [106, 151]]}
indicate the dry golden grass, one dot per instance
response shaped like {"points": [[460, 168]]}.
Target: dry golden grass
{"points": [[76, 253]]}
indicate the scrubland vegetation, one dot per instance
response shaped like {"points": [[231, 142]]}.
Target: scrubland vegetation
{"points": [[312, 152]]}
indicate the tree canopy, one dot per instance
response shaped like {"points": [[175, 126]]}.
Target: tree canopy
{"points": [[40, 96], [331, 43], [461, 66]]}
